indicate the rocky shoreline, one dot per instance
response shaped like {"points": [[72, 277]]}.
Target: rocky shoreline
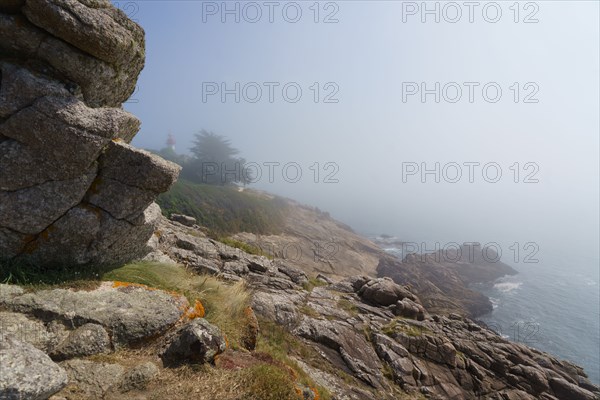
{"points": [[371, 336]]}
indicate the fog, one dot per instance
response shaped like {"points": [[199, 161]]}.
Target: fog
{"points": [[372, 131]]}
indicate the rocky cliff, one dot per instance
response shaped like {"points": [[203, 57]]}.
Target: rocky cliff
{"points": [[316, 243], [72, 190], [357, 338], [380, 333]]}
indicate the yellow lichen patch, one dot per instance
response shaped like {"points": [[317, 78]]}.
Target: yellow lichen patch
{"points": [[118, 140], [119, 284], [316, 392], [196, 312]]}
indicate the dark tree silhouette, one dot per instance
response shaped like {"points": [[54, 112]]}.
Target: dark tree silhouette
{"points": [[214, 160]]}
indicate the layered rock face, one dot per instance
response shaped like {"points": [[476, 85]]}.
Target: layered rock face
{"points": [[72, 190], [318, 244], [378, 339], [361, 338]]}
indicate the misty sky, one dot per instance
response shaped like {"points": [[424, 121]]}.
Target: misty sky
{"points": [[371, 130]]}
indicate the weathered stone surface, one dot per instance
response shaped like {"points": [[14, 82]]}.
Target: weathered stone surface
{"points": [[279, 307], [72, 47], [296, 275], [94, 27], [567, 390], [72, 191], [34, 209], [8, 292], [409, 309], [31, 331], [86, 340], [129, 313], [93, 378], [139, 376], [354, 350], [383, 291], [183, 219], [21, 87], [196, 342], [27, 373]]}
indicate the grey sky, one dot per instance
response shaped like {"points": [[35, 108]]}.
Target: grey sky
{"points": [[370, 131]]}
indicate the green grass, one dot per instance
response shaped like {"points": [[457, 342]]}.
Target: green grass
{"points": [[268, 382], [347, 306], [309, 311], [248, 248], [313, 283], [20, 272], [224, 303], [396, 325], [280, 344], [224, 210]]}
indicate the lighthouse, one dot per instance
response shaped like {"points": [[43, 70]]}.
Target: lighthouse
{"points": [[171, 142]]}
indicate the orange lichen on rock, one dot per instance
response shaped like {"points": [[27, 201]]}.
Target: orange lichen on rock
{"points": [[196, 312], [119, 284], [316, 392]]}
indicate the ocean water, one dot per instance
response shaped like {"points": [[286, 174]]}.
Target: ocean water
{"points": [[553, 305]]}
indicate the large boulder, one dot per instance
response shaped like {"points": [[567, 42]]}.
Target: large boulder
{"points": [[27, 373], [385, 292], [86, 340], [130, 314], [196, 342], [72, 190]]}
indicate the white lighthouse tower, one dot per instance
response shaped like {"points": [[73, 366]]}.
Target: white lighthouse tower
{"points": [[171, 142]]}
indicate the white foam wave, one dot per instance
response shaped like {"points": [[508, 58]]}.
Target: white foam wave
{"points": [[495, 302], [507, 287]]}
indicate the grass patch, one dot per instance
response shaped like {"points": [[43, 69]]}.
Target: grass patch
{"points": [[268, 382], [347, 306], [280, 344], [395, 326], [224, 303], [313, 283], [26, 273], [224, 210], [259, 382], [248, 248], [368, 332], [309, 311]]}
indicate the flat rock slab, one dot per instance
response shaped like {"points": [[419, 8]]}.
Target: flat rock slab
{"points": [[41, 336], [129, 313], [93, 378]]}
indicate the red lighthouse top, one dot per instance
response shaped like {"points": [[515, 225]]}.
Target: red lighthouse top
{"points": [[171, 140]]}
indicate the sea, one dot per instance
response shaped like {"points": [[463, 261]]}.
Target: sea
{"points": [[552, 305]]}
